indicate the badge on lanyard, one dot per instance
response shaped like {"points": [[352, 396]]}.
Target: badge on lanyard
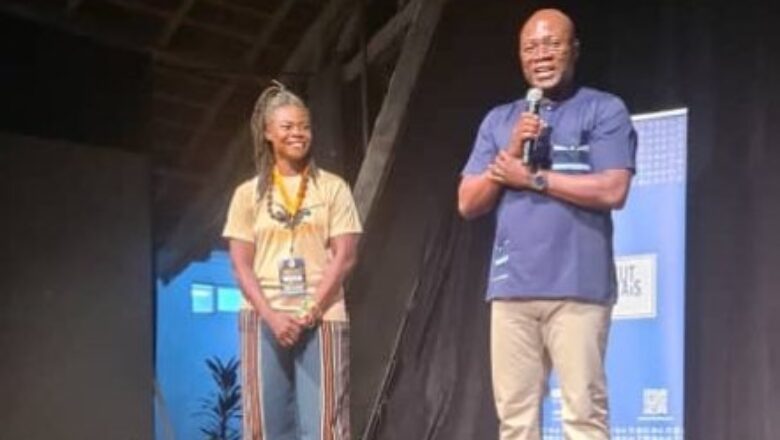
{"points": [[292, 270], [292, 276]]}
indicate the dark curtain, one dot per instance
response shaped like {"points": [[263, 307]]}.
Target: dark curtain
{"points": [[420, 326]]}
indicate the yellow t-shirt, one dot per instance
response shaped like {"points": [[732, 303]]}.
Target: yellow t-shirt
{"points": [[328, 211]]}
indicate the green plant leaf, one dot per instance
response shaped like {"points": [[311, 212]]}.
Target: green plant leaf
{"points": [[221, 409]]}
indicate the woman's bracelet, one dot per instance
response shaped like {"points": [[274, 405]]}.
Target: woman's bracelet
{"points": [[310, 307]]}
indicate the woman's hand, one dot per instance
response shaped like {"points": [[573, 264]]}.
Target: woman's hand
{"points": [[286, 329]]}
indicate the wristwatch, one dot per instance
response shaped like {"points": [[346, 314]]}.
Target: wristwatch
{"points": [[539, 181]]}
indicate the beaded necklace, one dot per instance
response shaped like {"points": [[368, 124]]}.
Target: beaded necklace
{"points": [[291, 213]]}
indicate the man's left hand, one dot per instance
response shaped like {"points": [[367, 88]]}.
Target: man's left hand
{"points": [[509, 170]]}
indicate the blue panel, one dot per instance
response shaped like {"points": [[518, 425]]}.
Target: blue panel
{"points": [[228, 299], [202, 298]]}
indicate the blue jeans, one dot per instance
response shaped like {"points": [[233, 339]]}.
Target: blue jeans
{"points": [[291, 387], [296, 393]]}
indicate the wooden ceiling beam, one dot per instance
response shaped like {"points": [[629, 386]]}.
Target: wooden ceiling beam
{"points": [[318, 37], [174, 22], [140, 8], [264, 39], [177, 18], [217, 69], [350, 33], [245, 10], [221, 31], [382, 40], [380, 152]]}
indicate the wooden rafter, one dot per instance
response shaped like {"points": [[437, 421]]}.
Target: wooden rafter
{"points": [[175, 22], [350, 32], [264, 39], [219, 30], [381, 40], [244, 10], [222, 67], [379, 155], [179, 17], [318, 37], [141, 8]]}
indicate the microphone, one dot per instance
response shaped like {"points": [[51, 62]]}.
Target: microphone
{"points": [[533, 98]]}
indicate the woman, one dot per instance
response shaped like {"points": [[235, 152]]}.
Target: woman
{"points": [[293, 231]]}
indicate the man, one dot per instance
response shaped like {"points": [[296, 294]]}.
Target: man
{"points": [[552, 278]]}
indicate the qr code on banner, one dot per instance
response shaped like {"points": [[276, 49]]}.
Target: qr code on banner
{"points": [[655, 401]]}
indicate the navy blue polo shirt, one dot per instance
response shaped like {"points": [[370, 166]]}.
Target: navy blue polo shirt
{"points": [[544, 247]]}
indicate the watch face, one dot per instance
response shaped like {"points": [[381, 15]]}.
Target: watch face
{"points": [[539, 182]]}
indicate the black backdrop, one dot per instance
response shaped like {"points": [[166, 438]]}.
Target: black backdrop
{"points": [[422, 268]]}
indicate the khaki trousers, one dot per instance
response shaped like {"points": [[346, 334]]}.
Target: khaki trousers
{"points": [[528, 337]]}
